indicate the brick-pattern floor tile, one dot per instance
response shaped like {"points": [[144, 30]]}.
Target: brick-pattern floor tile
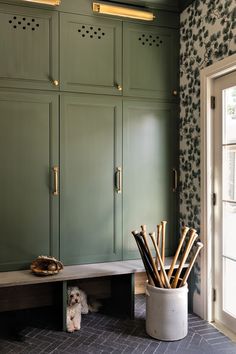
{"points": [[106, 334]]}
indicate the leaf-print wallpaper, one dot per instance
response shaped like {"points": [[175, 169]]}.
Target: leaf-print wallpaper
{"points": [[207, 34]]}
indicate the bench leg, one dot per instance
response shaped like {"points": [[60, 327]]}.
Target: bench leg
{"points": [[63, 304], [122, 294]]}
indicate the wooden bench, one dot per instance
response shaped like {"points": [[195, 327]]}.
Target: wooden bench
{"points": [[121, 274]]}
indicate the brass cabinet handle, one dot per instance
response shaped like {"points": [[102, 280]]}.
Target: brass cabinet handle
{"points": [[119, 88], [118, 179], [55, 170], [175, 180], [55, 82], [175, 92]]}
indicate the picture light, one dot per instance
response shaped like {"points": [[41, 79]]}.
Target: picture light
{"points": [[46, 2], [121, 11]]}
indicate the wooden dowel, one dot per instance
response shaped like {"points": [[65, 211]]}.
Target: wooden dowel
{"points": [[163, 232], [184, 233], [158, 240], [166, 280], [158, 235], [163, 244], [186, 275], [144, 235], [192, 237]]}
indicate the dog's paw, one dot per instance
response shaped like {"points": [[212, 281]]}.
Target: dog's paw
{"points": [[77, 328], [70, 329]]}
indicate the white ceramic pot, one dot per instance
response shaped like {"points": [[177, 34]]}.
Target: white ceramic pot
{"points": [[167, 312]]}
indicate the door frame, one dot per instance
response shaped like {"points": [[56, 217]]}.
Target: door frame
{"points": [[207, 77]]}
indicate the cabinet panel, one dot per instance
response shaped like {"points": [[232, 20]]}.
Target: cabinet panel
{"points": [[28, 47], [90, 207], [90, 54], [150, 153], [150, 61], [28, 147]]}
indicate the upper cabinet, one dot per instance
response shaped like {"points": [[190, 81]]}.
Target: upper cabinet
{"points": [[150, 67], [91, 54], [91, 57], [28, 47]]}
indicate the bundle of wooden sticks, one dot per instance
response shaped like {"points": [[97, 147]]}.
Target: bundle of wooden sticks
{"points": [[155, 266]]}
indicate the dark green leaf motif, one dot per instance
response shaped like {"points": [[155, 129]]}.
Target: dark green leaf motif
{"points": [[207, 34]]}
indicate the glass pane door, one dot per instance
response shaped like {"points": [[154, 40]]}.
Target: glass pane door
{"points": [[225, 209], [229, 200]]}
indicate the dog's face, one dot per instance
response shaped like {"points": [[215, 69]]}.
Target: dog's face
{"points": [[74, 296]]}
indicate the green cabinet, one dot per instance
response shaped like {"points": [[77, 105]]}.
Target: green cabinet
{"points": [[95, 58], [118, 134], [149, 157], [28, 150], [150, 67], [90, 207], [91, 54], [28, 47]]}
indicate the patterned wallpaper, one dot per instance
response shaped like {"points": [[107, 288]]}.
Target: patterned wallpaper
{"points": [[207, 34]]}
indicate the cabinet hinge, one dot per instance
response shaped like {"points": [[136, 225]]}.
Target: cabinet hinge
{"points": [[213, 102], [214, 199], [214, 295]]}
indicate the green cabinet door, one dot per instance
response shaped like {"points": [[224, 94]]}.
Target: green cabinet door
{"points": [[150, 61], [28, 150], [90, 56], [90, 207], [150, 154], [28, 47]]}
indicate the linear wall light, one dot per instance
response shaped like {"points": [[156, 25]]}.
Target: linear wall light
{"points": [[122, 11], [46, 2]]}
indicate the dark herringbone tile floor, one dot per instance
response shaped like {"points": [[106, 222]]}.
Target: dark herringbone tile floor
{"points": [[105, 334]]}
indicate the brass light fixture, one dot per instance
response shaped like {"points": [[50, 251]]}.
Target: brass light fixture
{"points": [[46, 2], [122, 11]]}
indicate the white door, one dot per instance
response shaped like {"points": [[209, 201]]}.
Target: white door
{"points": [[225, 206]]}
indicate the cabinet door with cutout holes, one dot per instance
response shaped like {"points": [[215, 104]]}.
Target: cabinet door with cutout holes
{"points": [[90, 54], [150, 61], [28, 47]]}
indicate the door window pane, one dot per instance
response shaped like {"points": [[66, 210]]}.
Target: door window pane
{"points": [[229, 286], [229, 115], [229, 227], [229, 172]]}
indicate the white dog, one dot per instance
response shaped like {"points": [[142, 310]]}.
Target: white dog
{"points": [[76, 305]]}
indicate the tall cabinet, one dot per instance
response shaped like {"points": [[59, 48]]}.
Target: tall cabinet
{"points": [[88, 134]]}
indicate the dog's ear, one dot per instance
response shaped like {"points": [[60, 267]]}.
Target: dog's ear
{"points": [[84, 303], [68, 295]]}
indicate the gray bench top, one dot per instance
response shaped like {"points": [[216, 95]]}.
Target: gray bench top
{"points": [[26, 277]]}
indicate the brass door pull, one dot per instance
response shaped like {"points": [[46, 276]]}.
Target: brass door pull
{"points": [[175, 180], [119, 88], [118, 179], [55, 170]]}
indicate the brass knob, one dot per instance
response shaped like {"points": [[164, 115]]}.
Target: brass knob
{"points": [[175, 93], [119, 88], [55, 82]]}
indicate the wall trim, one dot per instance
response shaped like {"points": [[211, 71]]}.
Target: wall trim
{"points": [[207, 76]]}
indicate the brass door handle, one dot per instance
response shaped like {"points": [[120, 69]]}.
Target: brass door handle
{"points": [[118, 179], [119, 88], [55, 171], [175, 180]]}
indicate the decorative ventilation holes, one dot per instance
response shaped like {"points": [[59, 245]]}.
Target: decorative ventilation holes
{"points": [[150, 40], [93, 32], [23, 23]]}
